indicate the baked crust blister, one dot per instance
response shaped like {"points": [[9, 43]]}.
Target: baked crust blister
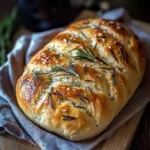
{"points": [[78, 83]]}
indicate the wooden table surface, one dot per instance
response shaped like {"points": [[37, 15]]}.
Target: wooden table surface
{"points": [[120, 140]]}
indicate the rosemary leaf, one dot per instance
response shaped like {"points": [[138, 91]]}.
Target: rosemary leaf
{"points": [[114, 78], [57, 68], [85, 69], [68, 118], [121, 53], [113, 54], [92, 55], [79, 107], [36, 76], [83, 54], [50, 100], [83, 98], [89, 80], [51, 90], [76, 83], [90, 91], [95, 47], [73, 49], [22, 83], [57, 93], [101, 60], [83, 35], [120, 69], [70, 69]]}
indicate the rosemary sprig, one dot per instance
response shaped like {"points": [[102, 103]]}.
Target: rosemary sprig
{"points": [[83, 98], [68, 118], [35, 75], [83, 54], [57, 68], [70, 69]]}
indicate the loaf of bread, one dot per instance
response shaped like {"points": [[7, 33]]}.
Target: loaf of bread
{"points": [[78, 83]]}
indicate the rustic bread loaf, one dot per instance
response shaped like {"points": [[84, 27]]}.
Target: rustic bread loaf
{"points": [[80, 80]]}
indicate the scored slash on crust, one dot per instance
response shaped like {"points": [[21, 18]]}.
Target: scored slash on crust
{"points": [[113, 54]]}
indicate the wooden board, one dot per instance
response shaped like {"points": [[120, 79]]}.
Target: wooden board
{"points": [[119, 141]]}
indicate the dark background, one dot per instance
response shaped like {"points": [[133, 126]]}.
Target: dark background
{"points": [[38, 15]]}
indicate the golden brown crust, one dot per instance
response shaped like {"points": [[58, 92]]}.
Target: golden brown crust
{"points": [[80, 81]]}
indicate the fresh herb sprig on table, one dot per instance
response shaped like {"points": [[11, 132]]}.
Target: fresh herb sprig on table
{"points": [[7, 27]]}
